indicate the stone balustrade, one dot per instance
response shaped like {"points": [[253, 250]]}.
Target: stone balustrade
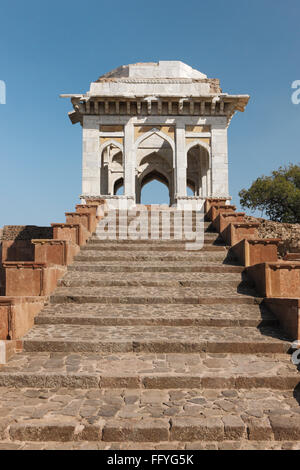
{"points": [[31, 267], [277, 281]]}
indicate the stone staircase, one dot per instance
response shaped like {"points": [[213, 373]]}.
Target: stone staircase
{"points": [[145, 345]]}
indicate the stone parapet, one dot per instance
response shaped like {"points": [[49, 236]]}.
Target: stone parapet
{"points": [[237, 231], [214, 211], [30, 278], [17, 315], [75, 233], [225, 217], [287, 311], [254, 251], [60, 252], [281, 279], [84, 218]]}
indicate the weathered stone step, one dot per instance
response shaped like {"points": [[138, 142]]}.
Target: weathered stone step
{"points": [[150, 371], [104, 247], [166, 267], [208, 236], [104, 281], [168, 315], [161, 339], [150, 415], [155, 295], [152, 256], [242, 444]]}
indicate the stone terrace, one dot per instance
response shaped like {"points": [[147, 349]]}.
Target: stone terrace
{"points": [[146, 345]]}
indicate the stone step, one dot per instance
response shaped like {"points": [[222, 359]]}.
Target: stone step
{"points": [[160, 237], [144, 256], [168, 315], [208, 236], [117, 247], [166, 267], [152, 416], [130, 215], [242, 444], [155, 295], [95, 280], [150, 371], [155, 339]]}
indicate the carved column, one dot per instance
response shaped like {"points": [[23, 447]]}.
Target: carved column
{"points": [[129, 160], [180, 161]]}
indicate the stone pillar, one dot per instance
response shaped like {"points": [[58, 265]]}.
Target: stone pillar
{"points": [[219, 161], [90, 156], [180, 161], [129, 160]]}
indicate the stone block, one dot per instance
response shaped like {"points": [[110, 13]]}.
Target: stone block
{"points": [[83, 218], [225, 217], [75, 233], [30, 278], [255, 251], [60, 252], [287, 311], [281, 279], [237, 231], [17, 250], [17, 315], [195, 429]]}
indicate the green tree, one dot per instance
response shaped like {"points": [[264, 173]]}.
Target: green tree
{"points": [[278, 195]]}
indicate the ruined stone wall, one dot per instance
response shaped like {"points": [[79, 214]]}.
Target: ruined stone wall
{"points": [[289, 233], [26, 232]]}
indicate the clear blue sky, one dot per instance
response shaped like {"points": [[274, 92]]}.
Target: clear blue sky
{"points": [[53, 47]]}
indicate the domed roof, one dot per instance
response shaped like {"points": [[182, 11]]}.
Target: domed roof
{"points": [[162, 69]]}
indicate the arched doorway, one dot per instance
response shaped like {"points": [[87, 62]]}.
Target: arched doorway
{"points": [[155, 188], [119, 187], [154, 160], [111, 167], [198, 174]]}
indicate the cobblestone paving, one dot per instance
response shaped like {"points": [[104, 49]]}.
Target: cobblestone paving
{"points": [[74, 279], [149, 294], [74, 338], [149, 415], [160, 314], [147, 346], [150, 370]]}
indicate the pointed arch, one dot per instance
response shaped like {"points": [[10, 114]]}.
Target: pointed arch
{"points": [[106, 144], [158, 133], [118, 184], [196, 143]]}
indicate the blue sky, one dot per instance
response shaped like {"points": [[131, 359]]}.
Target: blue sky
{"points": [[53, 47]]}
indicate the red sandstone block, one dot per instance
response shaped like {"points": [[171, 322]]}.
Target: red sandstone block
{"points": [[223, 219], [76, 233], [60, 252], [78, 218], [17, 314], [92, 210], [255, 251], [30, 278], [287, 311], [214, 201], [17, 250], [237, 231], [281, 279], [214, 211]]}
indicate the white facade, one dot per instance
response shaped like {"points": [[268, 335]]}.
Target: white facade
{"points": [[162, 121]]}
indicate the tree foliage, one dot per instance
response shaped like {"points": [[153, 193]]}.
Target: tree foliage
{"points": [[278, 195]]}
